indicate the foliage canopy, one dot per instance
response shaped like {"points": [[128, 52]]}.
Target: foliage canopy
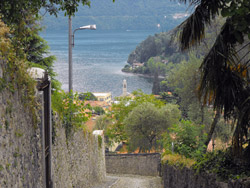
{"points": [[146, 123], [186, 138], [225, 69], [121, 109]]}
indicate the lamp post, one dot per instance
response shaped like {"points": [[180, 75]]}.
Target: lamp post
{"points": [[71, 44]]}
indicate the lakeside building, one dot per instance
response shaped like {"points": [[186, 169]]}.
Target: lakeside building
{"points": [[137, 64], [107, 97]]}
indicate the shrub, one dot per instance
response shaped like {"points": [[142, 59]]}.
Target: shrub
{"points": [[187, 139], [71, 110], [177, 160], [223, 164]]}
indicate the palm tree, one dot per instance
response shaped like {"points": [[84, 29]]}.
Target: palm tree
{"points": [[225, 69]]}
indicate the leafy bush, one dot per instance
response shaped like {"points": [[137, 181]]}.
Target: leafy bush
{"points": [[223, 165], [98, 110], [188, 139], [71, 110], [177, 160], [127, 68], [87, 96]]}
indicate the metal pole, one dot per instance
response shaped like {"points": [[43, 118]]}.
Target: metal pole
{"points": [[70, 56], [50, 134]]}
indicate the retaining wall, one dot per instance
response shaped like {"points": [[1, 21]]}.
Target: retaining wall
{"points": [[76, 162], [138, 164], [21, 163], [79, 162], [174, 177]]}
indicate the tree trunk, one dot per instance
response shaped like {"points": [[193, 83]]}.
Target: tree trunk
{"points": [[156, 84], [202, 114], [213, 125]]}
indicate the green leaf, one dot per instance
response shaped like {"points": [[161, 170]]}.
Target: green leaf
{"points": [[242, 25], [225, 12]]}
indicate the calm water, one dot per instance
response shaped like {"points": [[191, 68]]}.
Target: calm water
{"points": [[98, 57]]}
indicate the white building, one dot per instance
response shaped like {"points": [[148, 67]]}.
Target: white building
{"points": [[107, 97]]}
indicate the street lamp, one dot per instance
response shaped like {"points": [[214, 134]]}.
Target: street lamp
{"points": [[71, 44]]}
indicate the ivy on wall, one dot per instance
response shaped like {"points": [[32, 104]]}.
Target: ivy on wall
{"points": [[14, 77]]}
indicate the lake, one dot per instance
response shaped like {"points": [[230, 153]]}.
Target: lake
{"points": [[98, 57]]}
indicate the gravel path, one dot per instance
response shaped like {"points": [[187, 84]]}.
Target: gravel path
{"points": [[130, 181]]}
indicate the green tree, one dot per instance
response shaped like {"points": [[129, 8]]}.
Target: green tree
{"points": [[156, 68], [120, 110], [225, 69], [183, 79], [15, 11], [98, 110], [25, 38], [185, 138], [156, 84], [22, 17], [87, 96], [145, 124], [37, 50]]}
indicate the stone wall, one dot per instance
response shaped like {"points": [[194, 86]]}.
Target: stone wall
{"points": [[139, 164], [76, 162], [79, 162], [20, 145], [186, 178]]}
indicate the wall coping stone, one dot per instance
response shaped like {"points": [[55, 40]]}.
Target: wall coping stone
{"points": [[132, 154]]}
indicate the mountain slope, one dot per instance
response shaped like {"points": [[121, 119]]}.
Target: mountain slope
{"points": [[166, 46]]}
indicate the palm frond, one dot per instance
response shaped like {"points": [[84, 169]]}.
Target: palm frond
{"points": [[220, 70], [225, 79], [193, 28]]}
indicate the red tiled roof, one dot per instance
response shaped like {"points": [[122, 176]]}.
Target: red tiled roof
{"points": [[97, 103]]}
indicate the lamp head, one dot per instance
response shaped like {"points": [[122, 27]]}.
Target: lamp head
{"points": [[91, 27]]}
